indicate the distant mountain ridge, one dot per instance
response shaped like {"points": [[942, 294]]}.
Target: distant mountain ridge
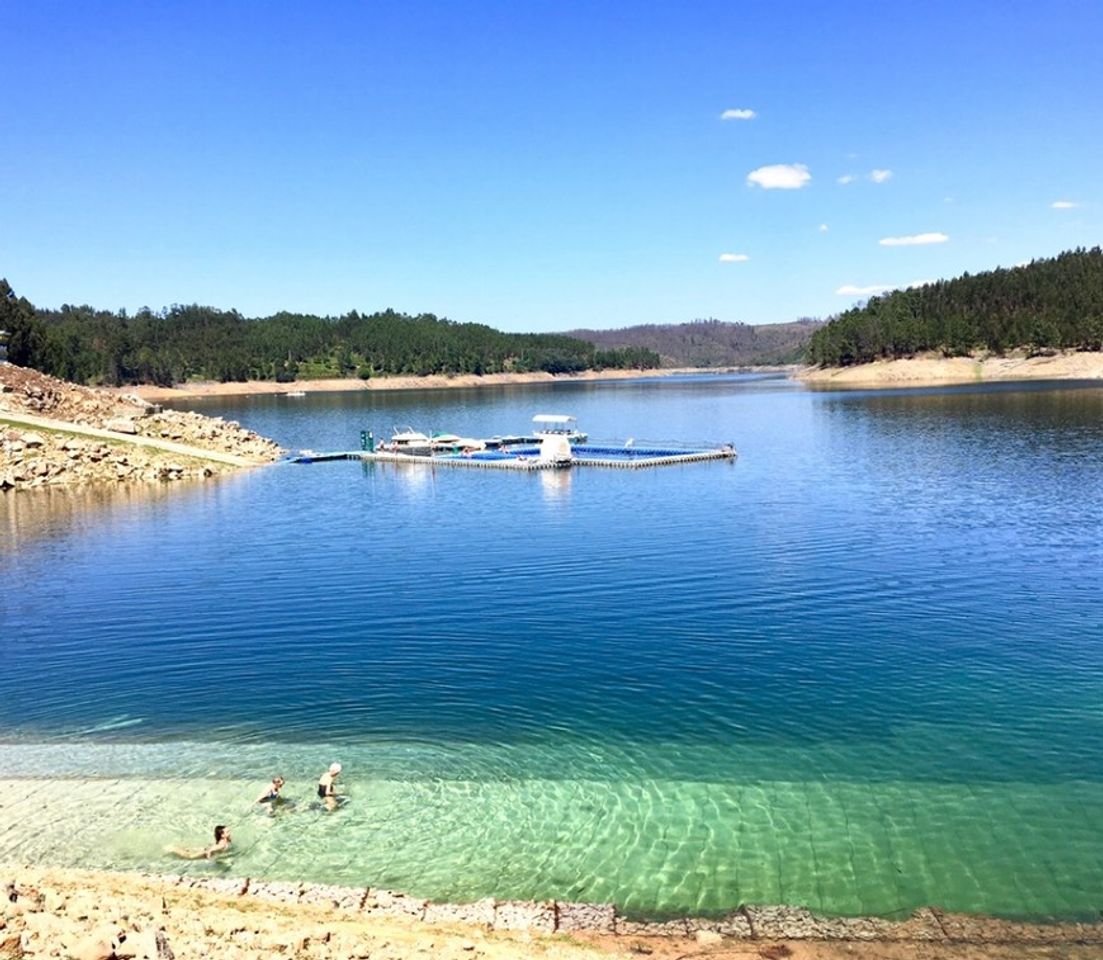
{"points": [[712, 343]]}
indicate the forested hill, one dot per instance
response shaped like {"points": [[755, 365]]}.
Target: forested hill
{"points": [[1046, 305], [710, 343], [183, 343]]}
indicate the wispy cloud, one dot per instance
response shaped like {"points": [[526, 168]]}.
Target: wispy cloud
{"points": [[849, 290], [734, 258], [915, 240], [823, 228], [874, 176], [1064, 205], [742, 114], [780, 176]]}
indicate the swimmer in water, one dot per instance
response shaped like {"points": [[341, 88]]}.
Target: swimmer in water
{"points": [[221, 845], [272, 792]]}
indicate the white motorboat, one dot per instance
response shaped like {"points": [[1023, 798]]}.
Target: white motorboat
{"points": [[558, 425]]}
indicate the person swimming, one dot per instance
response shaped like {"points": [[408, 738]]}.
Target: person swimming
{"points": [[272, 793], [327, 788], [221, 844]]}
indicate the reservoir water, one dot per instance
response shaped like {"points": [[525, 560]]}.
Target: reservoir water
{"points": [[858, 670]]}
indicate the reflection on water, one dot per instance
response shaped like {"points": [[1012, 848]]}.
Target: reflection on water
{"points": [[64, 512], [556, 484]]}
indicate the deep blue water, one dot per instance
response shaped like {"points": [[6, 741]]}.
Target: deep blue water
{"points": [[886, 588]]}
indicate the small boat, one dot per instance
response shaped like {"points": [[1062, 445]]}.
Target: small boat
{"points": [[543, 425], [409, 440], [557, 425], [454, 442], [295, 393]]}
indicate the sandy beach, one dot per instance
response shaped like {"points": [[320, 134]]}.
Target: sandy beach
{"points": [[938, 371]]}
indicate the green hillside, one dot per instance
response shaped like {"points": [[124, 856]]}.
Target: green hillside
{"points": [[1046, 305]]}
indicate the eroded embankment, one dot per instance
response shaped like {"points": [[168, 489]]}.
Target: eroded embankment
{"points": [[938, 371], [56, 433], [91, 914]]}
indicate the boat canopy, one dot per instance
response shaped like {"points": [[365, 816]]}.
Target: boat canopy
{"points": [[559, 418]]}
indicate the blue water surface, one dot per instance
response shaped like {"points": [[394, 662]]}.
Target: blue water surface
{"points": [[888, 605]]}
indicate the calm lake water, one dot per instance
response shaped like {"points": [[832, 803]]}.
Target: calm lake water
{"points": [[859, 669]]}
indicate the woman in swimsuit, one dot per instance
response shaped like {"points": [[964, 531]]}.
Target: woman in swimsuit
{"points": [[221, 845], [327, 789], [272, 793]]}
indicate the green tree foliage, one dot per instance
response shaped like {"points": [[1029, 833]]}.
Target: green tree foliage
{"points": [[1054, 304], [709, 343], [183, 343]]}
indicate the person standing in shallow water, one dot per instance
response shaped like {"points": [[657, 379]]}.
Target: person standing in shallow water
{"points": [[327, 787]]}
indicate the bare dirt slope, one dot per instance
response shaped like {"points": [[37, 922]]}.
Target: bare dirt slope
{"points": [[53, 432], [97, 916]]}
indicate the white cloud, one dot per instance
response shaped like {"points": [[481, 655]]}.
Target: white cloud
{"points": [[846, 178], [823, 228], [916, 240], [880, 176], [738, 115], [734, 258], [780, 176], [1063, 205], [849, 290]]}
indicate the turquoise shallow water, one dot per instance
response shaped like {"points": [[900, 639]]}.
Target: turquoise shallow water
{"points": [[858, 670]]}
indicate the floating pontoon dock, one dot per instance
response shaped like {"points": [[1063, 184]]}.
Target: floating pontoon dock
{"points": [[528, 458]]}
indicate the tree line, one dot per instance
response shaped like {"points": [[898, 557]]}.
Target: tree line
{"points": [[181, 343], [1044, 306]]}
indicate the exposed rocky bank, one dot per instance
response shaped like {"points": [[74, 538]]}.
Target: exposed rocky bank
{"points": [[144, 443], [92, 915], [936, 370]]}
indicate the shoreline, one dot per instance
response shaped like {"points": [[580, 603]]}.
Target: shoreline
{"points": [[191, 391], [49, 908], [916, 372], [933, 371]]}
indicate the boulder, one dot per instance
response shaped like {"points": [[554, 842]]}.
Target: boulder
{"points": [[121, 425]]}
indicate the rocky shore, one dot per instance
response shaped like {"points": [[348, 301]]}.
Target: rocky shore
{"points": [[53, 433], [86, 915]]}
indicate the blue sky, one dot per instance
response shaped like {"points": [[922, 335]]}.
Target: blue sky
{"points": [[541, 165]]}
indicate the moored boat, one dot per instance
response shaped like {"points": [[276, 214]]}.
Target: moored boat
{"points": [[543, 425]]}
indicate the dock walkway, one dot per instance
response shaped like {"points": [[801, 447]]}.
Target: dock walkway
{"points": [[527, 459]]}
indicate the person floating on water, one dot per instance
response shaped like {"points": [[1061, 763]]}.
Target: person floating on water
{"points": [[327, 788], [221, 845], [272, 792]]}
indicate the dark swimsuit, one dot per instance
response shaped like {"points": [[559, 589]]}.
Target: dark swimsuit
{"points": [[322, 791]]}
